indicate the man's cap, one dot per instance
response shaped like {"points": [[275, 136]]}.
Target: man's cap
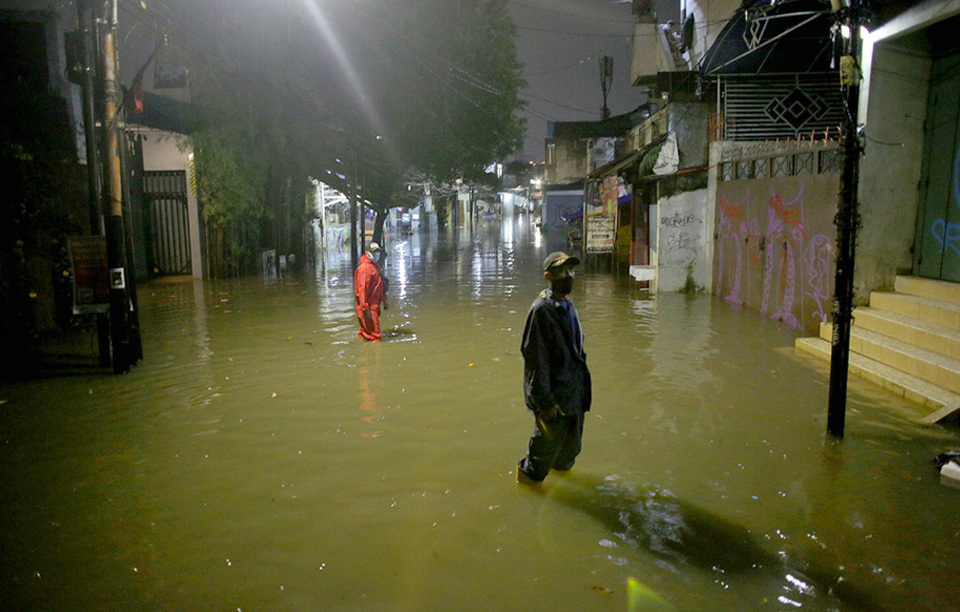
{"points": [[374, 247], [559, 258]]}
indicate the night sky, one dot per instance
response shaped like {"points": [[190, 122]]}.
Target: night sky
{"points": [[560, 43]]}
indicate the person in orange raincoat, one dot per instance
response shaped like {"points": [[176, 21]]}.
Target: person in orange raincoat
{"points": [[371, 292]]}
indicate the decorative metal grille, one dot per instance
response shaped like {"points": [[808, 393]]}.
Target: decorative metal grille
{"points": [[785, 106], [727, 171], [779, 160], [761, 168], [803, 164], [830, 161], [782, 165]]}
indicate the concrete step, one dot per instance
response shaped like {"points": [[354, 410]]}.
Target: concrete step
{"points": [[926, 365], [929, 288], [927, 310], [935, 398], [934, 338]]}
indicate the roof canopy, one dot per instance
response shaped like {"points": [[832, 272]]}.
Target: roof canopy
{"points": [[773, 37]]}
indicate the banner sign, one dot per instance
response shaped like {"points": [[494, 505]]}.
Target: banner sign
{"points": [[600, 233], [91, 281]]}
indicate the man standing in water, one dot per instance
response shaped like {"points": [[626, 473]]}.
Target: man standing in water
{"points": [[556, 381], [370, 291]]}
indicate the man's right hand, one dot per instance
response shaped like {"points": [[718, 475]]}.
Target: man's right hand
{"points": [[552, 413]]}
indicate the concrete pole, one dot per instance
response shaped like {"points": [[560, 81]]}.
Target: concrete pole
{"points": [[323, 221], [85, 21], [113, 194], [354, 257]]}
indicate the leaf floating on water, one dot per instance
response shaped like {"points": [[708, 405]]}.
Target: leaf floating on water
{"points": [[602, 590]]}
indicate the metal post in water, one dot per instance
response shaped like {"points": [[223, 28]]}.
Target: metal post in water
{"points": [[85, 19], [113, 194], [847, 220], [354, 258]]}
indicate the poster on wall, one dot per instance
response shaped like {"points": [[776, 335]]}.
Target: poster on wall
{"points": [[600, 220], [609, 194]]}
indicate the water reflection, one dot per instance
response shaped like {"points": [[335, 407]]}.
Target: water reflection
{"points": [[368, 369], [680, 534]]}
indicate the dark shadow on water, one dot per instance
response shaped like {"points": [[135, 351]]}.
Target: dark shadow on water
{"points": [[684, 535], [398, 334], [66, 354]]}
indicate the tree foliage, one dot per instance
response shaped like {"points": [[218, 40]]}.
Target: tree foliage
{"points": [[367, 90]]}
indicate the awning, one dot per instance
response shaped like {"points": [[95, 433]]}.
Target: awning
{"points": [[771, 37]]}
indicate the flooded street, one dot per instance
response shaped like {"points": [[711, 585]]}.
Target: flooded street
{"points": [[262, 457]]}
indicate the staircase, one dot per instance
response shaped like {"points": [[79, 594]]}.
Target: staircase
{"points": [[907, 341]]}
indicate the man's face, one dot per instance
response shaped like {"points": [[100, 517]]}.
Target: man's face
{"points": [[560, 278], [560, 272]]}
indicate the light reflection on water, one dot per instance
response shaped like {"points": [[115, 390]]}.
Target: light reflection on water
{"points": [[262, 457]]}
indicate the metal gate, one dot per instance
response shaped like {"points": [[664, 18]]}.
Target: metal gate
{"points": [[938, 223], [168, 226]]}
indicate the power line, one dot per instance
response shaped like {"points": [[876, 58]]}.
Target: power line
{"points": [[584, 34], [527, 95], [564, 13]]}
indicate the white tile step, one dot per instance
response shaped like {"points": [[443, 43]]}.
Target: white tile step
{"points": [[929, 336], [928, 288], [926, 365], [940, 401], [937, 312]]}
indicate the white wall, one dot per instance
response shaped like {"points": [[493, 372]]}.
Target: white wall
{"points": [[891, 169], [893, 108], [682, 242]]}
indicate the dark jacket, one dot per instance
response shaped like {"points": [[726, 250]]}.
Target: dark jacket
{"points": [[554, 363]]}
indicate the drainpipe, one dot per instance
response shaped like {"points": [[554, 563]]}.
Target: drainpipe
{"points": [[847, 219]]}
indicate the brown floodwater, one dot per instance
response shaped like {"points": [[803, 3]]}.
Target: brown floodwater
{"points": [[262, 457]]}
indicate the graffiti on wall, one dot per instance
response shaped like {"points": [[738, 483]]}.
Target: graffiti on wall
{"points": [[682, 239], [947, 235], [775, 253]]}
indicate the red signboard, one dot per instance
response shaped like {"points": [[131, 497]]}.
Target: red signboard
{"points": [[91, 284]]}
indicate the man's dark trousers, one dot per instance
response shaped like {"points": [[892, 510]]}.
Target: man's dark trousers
{"points": [[554, 444]]}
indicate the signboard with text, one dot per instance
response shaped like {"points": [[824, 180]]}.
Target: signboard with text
{"points": [[600, 233], [91, 279]]}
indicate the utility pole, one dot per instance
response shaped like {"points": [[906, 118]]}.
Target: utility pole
{"points": [[847, 218], [88, 37], [113, 194], [353, 216], [606, 80]]}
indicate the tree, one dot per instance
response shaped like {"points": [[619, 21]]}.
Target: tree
{"points": [[386, 86]]}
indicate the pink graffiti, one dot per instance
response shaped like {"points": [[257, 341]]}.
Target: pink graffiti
{"points": [[733, 230], [775, 265], [820, 256], [784, 221]]}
